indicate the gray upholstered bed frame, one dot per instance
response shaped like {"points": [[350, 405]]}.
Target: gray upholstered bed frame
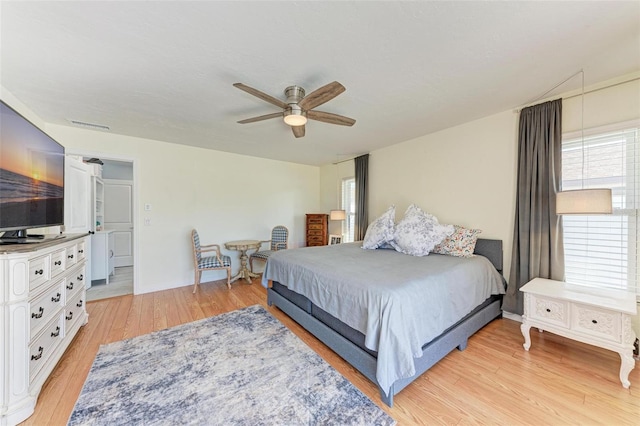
{"points": [[349, 343]]}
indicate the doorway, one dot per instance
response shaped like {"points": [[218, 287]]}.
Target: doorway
{"points": [[117, 177]]}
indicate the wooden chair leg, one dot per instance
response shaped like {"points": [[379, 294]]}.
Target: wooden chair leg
{"points": [[229, 278], [251, 263], [197, 279]]}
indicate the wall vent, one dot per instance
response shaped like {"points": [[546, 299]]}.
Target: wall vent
{"points": [[89, 125]]}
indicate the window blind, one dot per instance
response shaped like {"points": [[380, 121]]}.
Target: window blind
{"points": [[349, 206], [602, 250]]}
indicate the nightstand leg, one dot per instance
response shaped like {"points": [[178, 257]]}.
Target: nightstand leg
{"points": [[626, 365], [524, 328]]}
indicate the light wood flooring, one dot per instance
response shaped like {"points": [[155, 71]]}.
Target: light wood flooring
{"points": [[120, 283], [493, 381]]}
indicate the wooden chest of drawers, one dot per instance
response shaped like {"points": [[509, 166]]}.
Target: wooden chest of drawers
{"points": [[317, 229]]}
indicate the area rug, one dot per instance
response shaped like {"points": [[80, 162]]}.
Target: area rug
{"points": [[240, 368]]}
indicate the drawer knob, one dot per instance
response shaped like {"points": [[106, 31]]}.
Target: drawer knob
{"points": [[80, 278], [36, 357], [548, 310], [79, 304], [39, 272], [57, 298], [58, 262], [594, 321], [69, 317], [70, 286], [70, 256], [80, 251], [56, 333], [39, 314]]}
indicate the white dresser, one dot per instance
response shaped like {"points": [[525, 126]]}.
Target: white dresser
{"points": [[42, 306], [597, 316]]}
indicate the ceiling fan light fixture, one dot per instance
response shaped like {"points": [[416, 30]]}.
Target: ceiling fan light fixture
{"points": [[295, 116]]}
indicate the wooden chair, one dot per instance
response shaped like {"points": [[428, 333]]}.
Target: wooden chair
{"points": [[279, 241], [208, 263]]}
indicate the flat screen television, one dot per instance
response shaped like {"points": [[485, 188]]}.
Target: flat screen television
{"points": [[31, 178]]}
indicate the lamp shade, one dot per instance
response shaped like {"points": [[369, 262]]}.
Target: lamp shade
{"points": [[584, 201], [337, 215]]}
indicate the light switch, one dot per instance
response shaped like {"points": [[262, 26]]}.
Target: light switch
{"points": [[147, 207]]}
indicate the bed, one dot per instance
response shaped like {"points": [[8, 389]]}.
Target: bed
{"points": [[390, 315]]}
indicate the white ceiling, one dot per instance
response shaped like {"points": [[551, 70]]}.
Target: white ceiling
{"points": [[164, 70]]}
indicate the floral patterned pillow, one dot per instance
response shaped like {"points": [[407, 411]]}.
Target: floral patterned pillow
{"points": [[461, 243], [380, 231], [418, 232]]}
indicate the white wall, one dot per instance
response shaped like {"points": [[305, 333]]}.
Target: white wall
{"points": [[225, 196], [466, 174]]}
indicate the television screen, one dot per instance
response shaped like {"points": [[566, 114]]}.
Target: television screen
{"points": [[31, 175]]}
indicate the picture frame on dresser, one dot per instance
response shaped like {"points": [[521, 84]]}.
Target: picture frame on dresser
{"points": [[335, 239]]}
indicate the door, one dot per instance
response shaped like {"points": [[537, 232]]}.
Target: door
{"points": [[77, 196], [118, 217]]}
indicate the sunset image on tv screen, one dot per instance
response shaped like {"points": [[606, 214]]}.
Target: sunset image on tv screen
{"points": [[31, 172]]}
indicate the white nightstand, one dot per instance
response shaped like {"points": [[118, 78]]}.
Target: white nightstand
{"points": [[599, 317]]}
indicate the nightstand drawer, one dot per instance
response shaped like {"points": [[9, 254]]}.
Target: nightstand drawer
{"points": [[552, 311], [597, 322]]}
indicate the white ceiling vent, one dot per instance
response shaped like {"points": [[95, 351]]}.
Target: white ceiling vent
{"points": [[89, 125]]}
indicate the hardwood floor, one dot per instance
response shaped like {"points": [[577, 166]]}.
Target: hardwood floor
{"points": [[493, 381]]}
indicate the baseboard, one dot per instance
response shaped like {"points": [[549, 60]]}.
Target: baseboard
{"points": [[511, 316]]}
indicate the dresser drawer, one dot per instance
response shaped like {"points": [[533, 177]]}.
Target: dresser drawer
{"points": [[597, 322], [315, 227], [551, 311], [39, 272], [58, 262], [80, 251], [43, 346], [73, 310], [44, 307], [71, 256], [74, 283]]}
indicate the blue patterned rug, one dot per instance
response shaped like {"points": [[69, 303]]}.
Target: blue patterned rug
{"points": [[240, 368]]}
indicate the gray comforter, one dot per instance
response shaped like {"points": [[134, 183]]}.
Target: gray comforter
{"points": [[399, 302]]}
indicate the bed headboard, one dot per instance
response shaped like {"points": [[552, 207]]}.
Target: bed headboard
{"points": [[492, 250]]}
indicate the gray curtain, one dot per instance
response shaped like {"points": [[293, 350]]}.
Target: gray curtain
{"points": [[537, 237], [362, 211]]}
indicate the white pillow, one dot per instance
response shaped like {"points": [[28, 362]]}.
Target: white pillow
{"points": [[380, 231], [419, 232]]}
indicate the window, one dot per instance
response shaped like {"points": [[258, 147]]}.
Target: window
{"points": [[349, 206], [602, 250]]}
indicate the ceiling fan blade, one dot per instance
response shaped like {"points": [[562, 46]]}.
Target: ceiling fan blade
{"points": [[298, 131], [328, 117], [261, 117], [321, 95], [261, 95]]}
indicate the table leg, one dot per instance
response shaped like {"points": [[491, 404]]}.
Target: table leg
{"points": [[626, 365], [244, 272], [524, 328]]}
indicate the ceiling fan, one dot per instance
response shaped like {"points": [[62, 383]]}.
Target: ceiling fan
{"points": [[297, 108]]}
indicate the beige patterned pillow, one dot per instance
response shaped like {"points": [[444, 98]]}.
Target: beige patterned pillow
{"points": [[461, 243]]}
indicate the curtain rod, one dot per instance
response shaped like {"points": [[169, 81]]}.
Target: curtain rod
{"points": [[530, 103], [348, 159]]}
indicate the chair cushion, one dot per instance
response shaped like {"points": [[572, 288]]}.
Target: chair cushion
{"points": [[212, 262], [263, 255]]}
